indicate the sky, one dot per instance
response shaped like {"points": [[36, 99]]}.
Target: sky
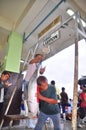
{"points": [[60, 67]]}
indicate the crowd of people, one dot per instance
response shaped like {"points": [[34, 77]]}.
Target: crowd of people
{"points": [[49, 102]]}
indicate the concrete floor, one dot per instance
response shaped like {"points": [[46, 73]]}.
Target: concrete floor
{"points": [[66, 125]]}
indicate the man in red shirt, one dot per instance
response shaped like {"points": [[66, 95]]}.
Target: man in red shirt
{"points": [[82, 109]]}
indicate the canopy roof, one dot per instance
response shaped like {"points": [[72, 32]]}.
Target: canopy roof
{"points": [[31, 17]]}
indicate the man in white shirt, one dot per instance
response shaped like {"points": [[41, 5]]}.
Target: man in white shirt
{"points": [[30, 87]]}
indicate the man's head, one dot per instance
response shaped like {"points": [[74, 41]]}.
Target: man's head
{"points": [[42, 82], [63, 89], [39, 57], [5, 75], [53, 82]]}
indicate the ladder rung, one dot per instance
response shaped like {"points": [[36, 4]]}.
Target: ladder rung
{"points": [[15, 117]]}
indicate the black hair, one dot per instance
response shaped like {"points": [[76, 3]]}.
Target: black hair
{"points": [[6, 72], [38, 55], [53, 82], [84, 85], [63, 88], [41, 79]]}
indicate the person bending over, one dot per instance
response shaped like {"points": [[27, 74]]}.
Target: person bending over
{"points": [[48, 104]]}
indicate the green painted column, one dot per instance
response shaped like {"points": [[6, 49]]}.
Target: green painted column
{"points": [[12, 60]]}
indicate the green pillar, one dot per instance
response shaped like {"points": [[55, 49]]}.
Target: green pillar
{"points": [[12, 60]]}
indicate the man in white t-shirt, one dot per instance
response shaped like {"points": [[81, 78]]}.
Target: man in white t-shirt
{"points": [[32, 67], [30, 87]]}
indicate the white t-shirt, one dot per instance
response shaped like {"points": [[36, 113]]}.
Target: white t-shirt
{"points": [[2, 95], [30, 71]]}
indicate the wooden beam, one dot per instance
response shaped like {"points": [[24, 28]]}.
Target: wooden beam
{"points": [[24, 13], [75, 91]]}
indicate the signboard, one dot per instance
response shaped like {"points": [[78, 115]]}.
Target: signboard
{"points": [[55, 22]]}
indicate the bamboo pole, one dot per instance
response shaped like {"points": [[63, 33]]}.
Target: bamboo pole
{"points": [[75, 91]]}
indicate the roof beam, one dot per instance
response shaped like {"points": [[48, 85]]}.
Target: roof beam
{"points": [[6, 24], [30, 14], [24, 13]]}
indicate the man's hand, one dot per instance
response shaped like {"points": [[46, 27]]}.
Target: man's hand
{"points": [[42, 70], [39, 96], [8, 84], [48, 100]]}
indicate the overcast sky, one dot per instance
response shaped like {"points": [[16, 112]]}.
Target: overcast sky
{"points": [[61, 67]]}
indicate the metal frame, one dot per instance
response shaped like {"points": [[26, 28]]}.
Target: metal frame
{"points": [[82, 32]]}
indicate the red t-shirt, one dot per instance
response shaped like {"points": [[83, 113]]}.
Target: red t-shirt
{"points": [[83, 99]]}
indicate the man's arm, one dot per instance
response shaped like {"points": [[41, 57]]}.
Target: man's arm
{"points": [[5, 85], [48, 100]]}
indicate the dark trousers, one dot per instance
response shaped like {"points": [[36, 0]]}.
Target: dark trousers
{"points": [[1, 106], [82, 112]]}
